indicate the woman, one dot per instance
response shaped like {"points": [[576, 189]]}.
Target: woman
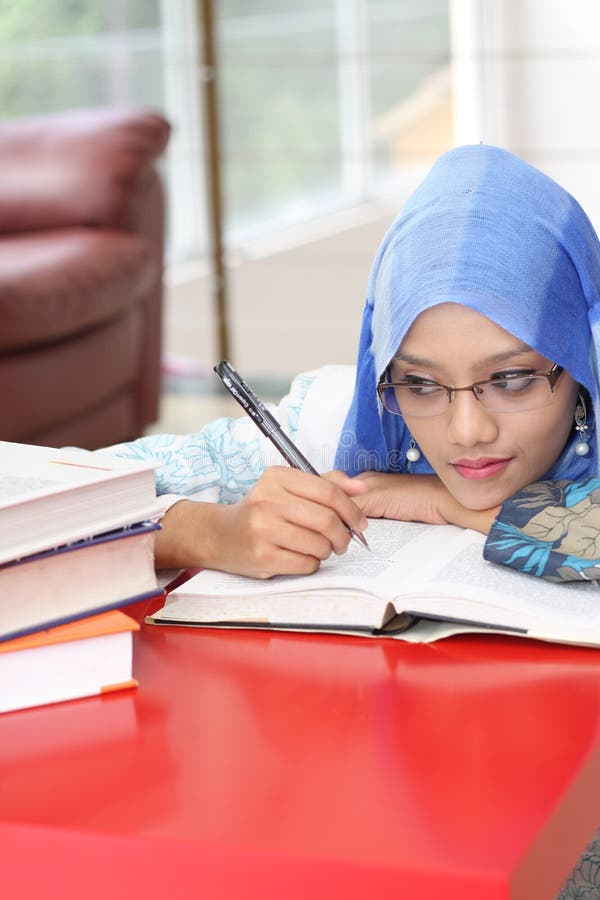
{"points": [[474, 401], [489, 233], [479, 333]]}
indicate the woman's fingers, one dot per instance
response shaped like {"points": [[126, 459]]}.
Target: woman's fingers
{"points": [[314, 528], [353, 487], [288, 523], [329, 492]]}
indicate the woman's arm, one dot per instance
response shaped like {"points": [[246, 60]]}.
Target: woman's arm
{"points": [[236, 508], [224, 459], [287, 524], [418, 498]]}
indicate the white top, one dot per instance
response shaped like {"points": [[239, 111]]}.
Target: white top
{"points": [[222, 462]]}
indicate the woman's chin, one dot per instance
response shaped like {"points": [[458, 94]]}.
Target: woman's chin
{"points": [[478, 500]]}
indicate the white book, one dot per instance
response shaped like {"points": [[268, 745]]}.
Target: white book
{"points": [[419, 583], [50, 497], [81, 659], [77, 580]]}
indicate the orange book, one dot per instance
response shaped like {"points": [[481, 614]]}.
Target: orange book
{"points": [[79, 659]]}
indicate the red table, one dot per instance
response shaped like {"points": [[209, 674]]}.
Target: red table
{"points": [[264, 765]]}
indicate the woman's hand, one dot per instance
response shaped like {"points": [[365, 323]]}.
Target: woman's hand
{"points": [[288, 523], [418, 498]]}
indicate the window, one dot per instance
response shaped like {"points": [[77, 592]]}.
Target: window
{"points": [[323, 103]]}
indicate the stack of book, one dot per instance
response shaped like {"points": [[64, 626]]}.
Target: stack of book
{"points": [[76, 543]]}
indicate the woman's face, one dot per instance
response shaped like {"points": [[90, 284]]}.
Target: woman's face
{"points": [[482, 457]]}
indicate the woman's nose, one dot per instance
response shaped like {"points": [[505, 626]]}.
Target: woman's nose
{"points": [[469, 422]]}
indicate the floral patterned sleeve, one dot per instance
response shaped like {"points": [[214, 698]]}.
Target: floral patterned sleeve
{"points": [[221, 462], [550, 529]]}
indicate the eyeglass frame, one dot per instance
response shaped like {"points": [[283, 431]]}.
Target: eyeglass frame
{"points": [[552, 375]]}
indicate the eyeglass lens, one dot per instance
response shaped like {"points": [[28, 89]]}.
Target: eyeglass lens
{"points": [[501, 395]]}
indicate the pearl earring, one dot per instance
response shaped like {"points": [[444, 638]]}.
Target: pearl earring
{"points": [[582, 448], [413, 453]]}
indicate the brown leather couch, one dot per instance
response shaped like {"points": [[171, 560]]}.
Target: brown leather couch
{"points": [[81, 258]]}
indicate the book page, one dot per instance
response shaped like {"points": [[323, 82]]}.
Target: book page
{"points": [[357, 568], [468, 584], [516, 590], [421, 557]]}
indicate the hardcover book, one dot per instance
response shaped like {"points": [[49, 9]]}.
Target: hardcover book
{"points": [[50, 497], [91, 656], [76, 580]]}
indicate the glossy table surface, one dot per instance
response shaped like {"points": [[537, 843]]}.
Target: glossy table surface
{"points": [[258, 764]]}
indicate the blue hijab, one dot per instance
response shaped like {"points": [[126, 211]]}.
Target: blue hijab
{"points": [[488, 231]]}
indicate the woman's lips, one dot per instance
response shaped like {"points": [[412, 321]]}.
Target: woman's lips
{"points": [[482, 467]]}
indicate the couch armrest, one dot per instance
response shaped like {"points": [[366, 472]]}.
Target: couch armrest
{"points": [[81, 167]]}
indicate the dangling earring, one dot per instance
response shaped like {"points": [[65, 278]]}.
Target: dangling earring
{"points": [[413, 453], [582, 448]]}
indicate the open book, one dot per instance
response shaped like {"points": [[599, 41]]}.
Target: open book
{"points": [[419, 583]]}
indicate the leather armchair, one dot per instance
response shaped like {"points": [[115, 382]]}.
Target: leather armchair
{"points": [[81, 259]]}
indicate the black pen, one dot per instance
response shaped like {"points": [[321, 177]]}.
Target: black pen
{"points": [[269, 426]]}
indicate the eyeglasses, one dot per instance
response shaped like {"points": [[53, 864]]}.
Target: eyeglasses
{"points": [[511, 393]]}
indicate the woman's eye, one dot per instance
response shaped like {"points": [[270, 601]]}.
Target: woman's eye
{"points": [[512, 382], [422, 387]]}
